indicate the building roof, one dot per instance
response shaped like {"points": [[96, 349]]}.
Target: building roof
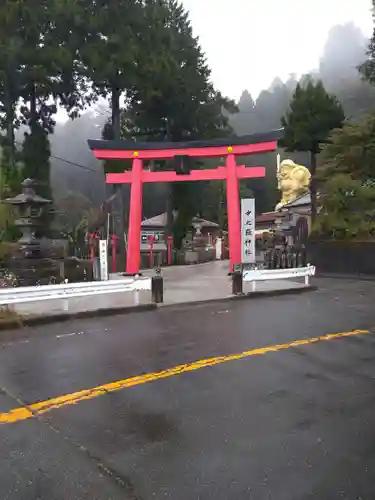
{"points": [[161, 221], [267, 217], [304, 199], [204, 222], [157, 221]]}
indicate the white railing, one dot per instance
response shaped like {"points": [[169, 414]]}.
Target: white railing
{"points": [[254, 275], [25, 294]]}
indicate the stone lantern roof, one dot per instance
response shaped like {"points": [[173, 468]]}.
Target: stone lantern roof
{"points": [[28, 195]]}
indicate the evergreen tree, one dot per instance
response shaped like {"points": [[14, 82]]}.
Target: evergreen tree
{"points": [[368, 67], [313, 114], [244, 121], [350, 151], [39, 69], [117, 30], [10, 53], [346, 209], [174, 99]]}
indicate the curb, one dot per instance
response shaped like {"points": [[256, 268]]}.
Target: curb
{"points": [[246, 296], [20, 322]]}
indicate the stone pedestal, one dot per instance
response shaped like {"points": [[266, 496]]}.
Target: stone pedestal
{"points": [[30, 272], [36, 262]]}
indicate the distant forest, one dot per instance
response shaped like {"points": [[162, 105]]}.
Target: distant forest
{"points": [[75, 169]]}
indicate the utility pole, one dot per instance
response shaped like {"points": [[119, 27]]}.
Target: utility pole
{"points": [[169, 200], [118, 190]]}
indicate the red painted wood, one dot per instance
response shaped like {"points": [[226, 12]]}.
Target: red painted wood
{"points": [[133, 258], [114, 239], [242, 172], [163, 154], [169, 244], [234, 215]]}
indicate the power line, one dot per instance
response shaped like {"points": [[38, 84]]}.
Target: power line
{"points": [[69, 162], [99, 107], [75, 164]]}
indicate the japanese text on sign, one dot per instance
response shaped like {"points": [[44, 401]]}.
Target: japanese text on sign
{"points": [[103, 248], [248, 230]]}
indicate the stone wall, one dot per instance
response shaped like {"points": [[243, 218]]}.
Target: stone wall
{"points": [[342, 257], [182, 257]]}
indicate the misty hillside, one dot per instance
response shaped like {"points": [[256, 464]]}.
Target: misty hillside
{"points": [[344, 51], [69, 142]]}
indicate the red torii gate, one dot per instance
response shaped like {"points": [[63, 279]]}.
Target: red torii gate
{"points": [[231, 173]]}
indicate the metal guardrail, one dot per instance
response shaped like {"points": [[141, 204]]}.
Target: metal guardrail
{"points": [[21, 295], [251, 275]]}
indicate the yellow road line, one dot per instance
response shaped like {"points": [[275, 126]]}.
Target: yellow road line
{"points": [[36, 409]]}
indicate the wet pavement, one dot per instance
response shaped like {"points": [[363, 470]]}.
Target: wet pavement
{"points": [[293, 424]]}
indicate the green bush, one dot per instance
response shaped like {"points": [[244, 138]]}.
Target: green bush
{"points": [[347, 209]]}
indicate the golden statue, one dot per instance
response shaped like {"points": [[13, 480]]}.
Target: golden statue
{"points": [[293, 181]]}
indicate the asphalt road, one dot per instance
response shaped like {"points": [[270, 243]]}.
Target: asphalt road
{"points": [[292, 422]]}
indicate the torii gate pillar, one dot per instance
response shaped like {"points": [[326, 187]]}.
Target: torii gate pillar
{"points": [[233, 210], [133, 255]]}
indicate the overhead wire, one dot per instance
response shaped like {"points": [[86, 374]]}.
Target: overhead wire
{"points": [[69, 162], [84, 167]]}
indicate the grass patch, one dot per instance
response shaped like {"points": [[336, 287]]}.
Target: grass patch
{"points": [[8, 317]]}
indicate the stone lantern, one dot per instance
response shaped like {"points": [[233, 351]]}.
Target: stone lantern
{"points": [[37, 261], [30, 207], [29, 265]]}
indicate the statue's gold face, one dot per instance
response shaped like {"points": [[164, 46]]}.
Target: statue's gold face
{"points": [[292, 180], [285, 182]]}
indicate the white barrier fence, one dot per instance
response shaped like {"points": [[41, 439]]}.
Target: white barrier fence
{"points": [[254, 275], [26, 294]]}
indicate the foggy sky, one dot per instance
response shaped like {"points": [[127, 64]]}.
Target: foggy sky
{"points": [[249, 42]]}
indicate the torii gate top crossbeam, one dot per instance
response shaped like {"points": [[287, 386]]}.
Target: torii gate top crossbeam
{"points": [[240, 146]]}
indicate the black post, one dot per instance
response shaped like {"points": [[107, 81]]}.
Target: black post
{"points": [[157, 288], [268, 259], [237, 281]]}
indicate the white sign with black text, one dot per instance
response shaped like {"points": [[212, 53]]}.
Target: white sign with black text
{"points": [[103, 256], [248, 230]]}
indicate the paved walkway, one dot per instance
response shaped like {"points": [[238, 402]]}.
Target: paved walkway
{"points": [[182, 284], [209, 281]]}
